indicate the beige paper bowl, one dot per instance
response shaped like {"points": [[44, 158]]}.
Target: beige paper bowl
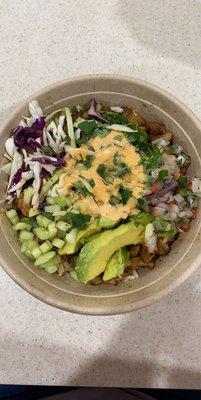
{"points": [[184, 258]]}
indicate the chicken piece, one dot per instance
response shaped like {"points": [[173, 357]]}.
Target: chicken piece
{"points": [[134, 118], [134, 250], [162, 247], [145, 256], [96, 281], [166, 136], [137, 263], [24, 208], [156, 128]]}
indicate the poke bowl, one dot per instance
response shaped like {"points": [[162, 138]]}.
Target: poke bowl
{"points": [[100, 186]]}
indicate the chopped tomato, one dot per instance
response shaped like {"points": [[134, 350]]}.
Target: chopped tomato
{"points": [[185, 227], [155, 187]]}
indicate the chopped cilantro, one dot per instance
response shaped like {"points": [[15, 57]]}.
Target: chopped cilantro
{"points": [[182, 181], [113, 118], [47, 215], [102, 132], [78, 221], [171, 233], [125, 194], [119, 138], [80, 188], [87, 161], [143, 218], [141, 204], [30, 221], [121, 168], [184, 192], [103, 172], [151, 159], [91, 182], [114, 200], [163, 175], [87, 126]]}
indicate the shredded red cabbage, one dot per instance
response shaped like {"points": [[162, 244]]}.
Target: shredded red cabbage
{"points": [[23, 135], [44, 173], [41, 206], [94, 113], [169, 187], [18, 175]]}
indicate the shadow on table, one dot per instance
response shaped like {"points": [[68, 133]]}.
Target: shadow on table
{"points": [[171, 29]]}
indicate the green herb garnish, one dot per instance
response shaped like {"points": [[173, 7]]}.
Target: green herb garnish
{"points": [[171, 233], [141, 204], [163, 175], [125, 194], [30, 221], [87, 127], [113, 118], [87, 161], [182, 181], [114, 200], [103, 172], [78, 221], [143, 218], [80, 188]]}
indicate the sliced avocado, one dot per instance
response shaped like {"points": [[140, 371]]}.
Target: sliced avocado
{"points": [[106, 223], [116, 264], [94, 256], [82, 235]]}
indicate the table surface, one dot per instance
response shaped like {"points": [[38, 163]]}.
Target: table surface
{"points": [[45, 41]]}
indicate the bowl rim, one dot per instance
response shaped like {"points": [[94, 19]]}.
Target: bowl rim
{"points": [[103, 310]]}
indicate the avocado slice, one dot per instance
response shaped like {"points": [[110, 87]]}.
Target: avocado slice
{"points": [[94, 256], [82, 235], [116, 264], [106, 223]]}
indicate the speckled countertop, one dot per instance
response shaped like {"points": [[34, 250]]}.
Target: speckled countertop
{"points": [[45, 41]]}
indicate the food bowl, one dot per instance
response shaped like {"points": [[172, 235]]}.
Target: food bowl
{"points": [[63, 292]]}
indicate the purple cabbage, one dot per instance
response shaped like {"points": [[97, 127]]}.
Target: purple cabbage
{"points": [[23, 135], [41, 206], [94, 113], [18, 175], [44, 173], [169, 187], [57, 162]]}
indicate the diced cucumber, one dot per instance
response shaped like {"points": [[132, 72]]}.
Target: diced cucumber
{"points": [[29, 255], [62, 201], [52, 230], [33, 212], [46, 246], [12, 216], [50, 200], [25, 235], [63, 226], [45, 257], [51, 269], [43, 221], [28, 194], [30, 244], [61, 234], [42, 233], [22, 226], [58, 243], [53, 261], [23, 247], [36, 252], [52, 208]]}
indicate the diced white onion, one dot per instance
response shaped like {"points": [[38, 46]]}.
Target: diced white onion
{"points": [[132, 277], [77, 133], [117, 109], [196, 186]]}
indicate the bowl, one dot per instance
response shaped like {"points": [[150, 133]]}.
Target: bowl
{"points": [[154, 104]]}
